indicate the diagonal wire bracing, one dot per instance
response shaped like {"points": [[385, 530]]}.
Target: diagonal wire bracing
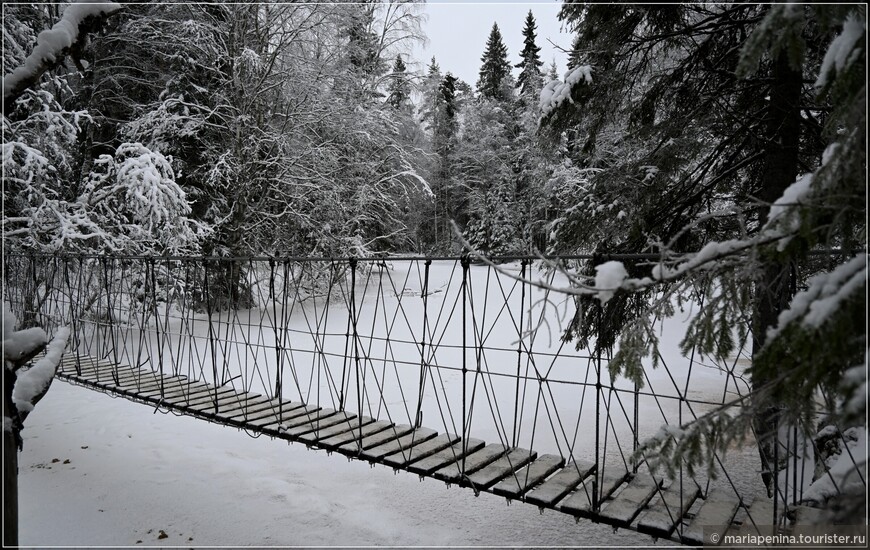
{"points": [[428, 342]]}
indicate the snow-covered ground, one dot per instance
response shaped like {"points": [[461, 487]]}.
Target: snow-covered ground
{"points": [[132, 473]]}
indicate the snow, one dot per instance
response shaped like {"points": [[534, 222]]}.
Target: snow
{"points": [[710, 252], [52, 42], [31, 382], [790, 197], [855, 381], [824, 294], [840, 53], [609, 277], [555, 93], [22, 342], [132, 473], [142, 472], [848, 471]]}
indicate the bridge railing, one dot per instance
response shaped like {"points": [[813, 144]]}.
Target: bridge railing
{"points": [[464, 348]]}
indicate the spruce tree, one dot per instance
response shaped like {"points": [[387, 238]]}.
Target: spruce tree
{"points": [[399, 88], [574, 54], [495, 66], [529, 81], [552, 72], [763, 205]]}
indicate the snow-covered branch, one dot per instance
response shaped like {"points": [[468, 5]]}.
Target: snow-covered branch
{"points": [[556, 93], [31, 384], [54, 44]]}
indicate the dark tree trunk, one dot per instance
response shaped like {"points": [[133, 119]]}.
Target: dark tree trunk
{"points": [[10, 465], [774, 284]]}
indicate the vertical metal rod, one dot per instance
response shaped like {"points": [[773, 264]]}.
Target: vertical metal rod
{"points": [[523, 263], [636, 429], [285, 317], [344, 378], [419, 416], [142, 328], [598, 474], [776, 465], [796, 461], [359, 396], [464, 262], [275, 327], [208, 309], [159, 336], [78, 300]]}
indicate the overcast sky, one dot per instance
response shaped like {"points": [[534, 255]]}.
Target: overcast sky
{"points": [[458, 32]]}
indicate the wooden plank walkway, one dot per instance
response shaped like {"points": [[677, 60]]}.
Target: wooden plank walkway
{"points": [[640, 502]]}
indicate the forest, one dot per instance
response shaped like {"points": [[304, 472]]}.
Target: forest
{"points": [[728, 140], [270, 129]]}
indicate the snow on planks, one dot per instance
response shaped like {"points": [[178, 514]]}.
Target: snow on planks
{"points": [[630, 501], [563, 482], [715, 515], [667, 509], [525, 479]]}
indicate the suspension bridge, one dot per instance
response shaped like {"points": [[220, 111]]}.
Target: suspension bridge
{"points": [[433, 366]]}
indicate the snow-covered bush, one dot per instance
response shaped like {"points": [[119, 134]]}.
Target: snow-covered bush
{"points": [[134, 200]]}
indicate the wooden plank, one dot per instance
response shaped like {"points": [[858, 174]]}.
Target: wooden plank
{"points": [[227, 402], [505, 465], [759, 519], [305, 418], [579, 503], [350, 424], [95, 365], [167, 385], [446, 456], [68, 362], [223, 405], [258, 409], [716, 513], [334, 442], [456, 471], [271, 414], [105, 366], [222, 395], [143, 382], [325, 418], [420, 450], [353, 448], [272, 423], [525, 479], [181, 393], [248, 401], [121, 374], [105, 370], [203, 397], [667, 509], [404, 442], [276, 416], [631, 500], [107, 380], [134, 386], [563, 482]]}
